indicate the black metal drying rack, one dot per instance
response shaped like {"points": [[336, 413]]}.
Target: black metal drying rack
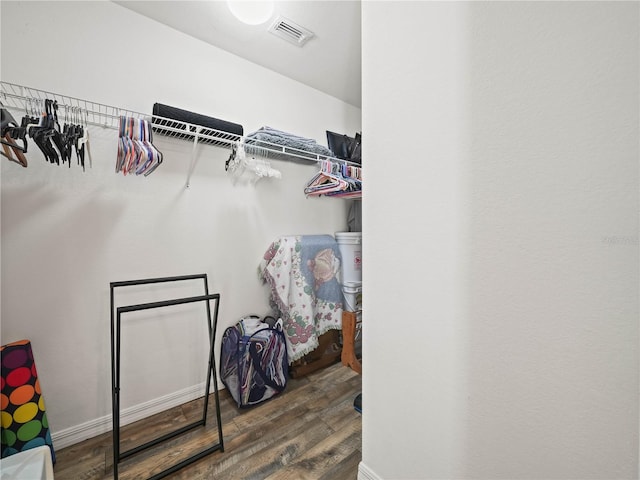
{"points": [[116, 314]]}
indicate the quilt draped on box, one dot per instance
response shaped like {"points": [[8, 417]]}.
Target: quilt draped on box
{"points": [[302, 272]]}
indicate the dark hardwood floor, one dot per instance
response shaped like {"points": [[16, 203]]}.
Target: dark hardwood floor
{"points": [[310, 431]]}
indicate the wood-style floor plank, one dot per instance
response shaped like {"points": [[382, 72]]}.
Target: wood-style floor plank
{"points": [[330, 451], [310, 431]]}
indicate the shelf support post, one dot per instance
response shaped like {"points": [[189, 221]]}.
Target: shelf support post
{"points": [[192, 165]]}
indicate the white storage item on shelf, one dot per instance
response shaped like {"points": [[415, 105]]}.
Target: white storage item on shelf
{"points": [[350, 245], [352, 296]]}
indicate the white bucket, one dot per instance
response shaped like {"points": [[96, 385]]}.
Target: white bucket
{"points": [[350, 245], [352, 296]]}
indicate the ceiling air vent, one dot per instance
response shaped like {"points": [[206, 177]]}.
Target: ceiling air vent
{"points": [[290, 31]]}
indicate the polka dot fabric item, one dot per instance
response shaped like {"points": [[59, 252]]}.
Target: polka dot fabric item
{"points": [[23, 417]]}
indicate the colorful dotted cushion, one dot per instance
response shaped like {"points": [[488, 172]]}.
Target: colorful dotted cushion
{"points": [[23, 417]]}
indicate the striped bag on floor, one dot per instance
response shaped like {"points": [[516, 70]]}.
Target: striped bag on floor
{"points": [[253, 360]]}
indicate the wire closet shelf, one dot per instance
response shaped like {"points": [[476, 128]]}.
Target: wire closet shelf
{"points": [[31, 100]]}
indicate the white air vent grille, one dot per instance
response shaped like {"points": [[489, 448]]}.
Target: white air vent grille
{"points": [[290, 31]]}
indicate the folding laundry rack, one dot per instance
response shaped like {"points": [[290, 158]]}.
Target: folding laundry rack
{"points": [[116, 322]]}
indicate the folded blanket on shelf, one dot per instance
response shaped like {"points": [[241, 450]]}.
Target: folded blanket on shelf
{"points": [[254, 143], [302, 274]]}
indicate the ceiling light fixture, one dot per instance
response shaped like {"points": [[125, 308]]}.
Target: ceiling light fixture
{"points": [[251, 12]]}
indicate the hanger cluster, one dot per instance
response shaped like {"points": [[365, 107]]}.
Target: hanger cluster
{"points": [[238, 163], [136, 152], [335, 179], [9, 134], [42, 125]]}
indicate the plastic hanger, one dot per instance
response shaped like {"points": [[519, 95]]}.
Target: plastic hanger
{"points": [[43, 133], [325, 181], [10, 131], [82, 145], [57, 136], [353, 176], [136, 152], [12, 151]]}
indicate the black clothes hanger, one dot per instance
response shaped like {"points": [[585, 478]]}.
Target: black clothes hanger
{"points": [[82, 142], [43, 133], [10, 127], [70, 136], [74, 134], [56, 134], [41, 123]]}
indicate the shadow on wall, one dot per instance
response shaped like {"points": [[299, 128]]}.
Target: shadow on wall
{"points": [[56, 245]]}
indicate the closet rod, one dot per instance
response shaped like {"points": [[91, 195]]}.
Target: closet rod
{"points": [[20, 97], [26, 99]]}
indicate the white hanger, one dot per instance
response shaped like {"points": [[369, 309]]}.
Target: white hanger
{"points": [[239, 164]]}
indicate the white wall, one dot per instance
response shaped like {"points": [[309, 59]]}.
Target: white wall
{"points": [[66, 234], [501, 227]]}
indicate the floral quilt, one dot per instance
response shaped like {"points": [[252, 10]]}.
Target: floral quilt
{"points": [[303, 273]]}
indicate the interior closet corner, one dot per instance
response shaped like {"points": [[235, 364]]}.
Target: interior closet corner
{"points": [[120, 179]]}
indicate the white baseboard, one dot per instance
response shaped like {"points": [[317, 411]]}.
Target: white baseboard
{"points": [[70, 436], [365, 473]]}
